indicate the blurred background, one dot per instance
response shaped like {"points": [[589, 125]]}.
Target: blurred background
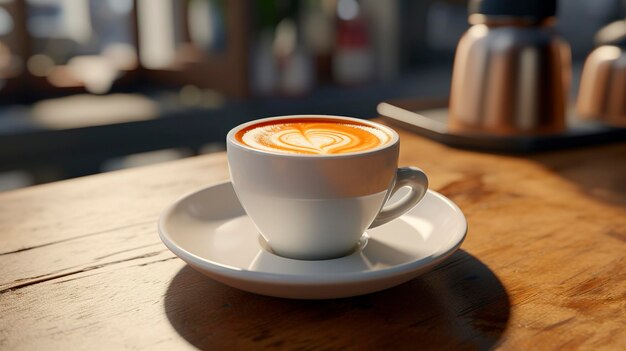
{"points": [[88, 86]]}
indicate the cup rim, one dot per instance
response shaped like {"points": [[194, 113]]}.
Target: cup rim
{"points": [[232, 141]]}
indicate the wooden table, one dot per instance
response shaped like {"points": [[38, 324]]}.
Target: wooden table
{"points": [[543, 266]]}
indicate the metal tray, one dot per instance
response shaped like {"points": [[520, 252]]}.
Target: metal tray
{"points": [[432, 123]]}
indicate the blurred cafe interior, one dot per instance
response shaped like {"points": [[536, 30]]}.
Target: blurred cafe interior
{"points": [[89, 86]]}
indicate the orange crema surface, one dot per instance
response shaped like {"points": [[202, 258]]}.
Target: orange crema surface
{"points": [[312, 136]]}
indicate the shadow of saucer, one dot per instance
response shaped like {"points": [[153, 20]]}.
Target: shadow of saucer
{"points": [[459, 304]]}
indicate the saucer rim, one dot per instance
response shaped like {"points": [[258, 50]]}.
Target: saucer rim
{"points": [[236, 273]]}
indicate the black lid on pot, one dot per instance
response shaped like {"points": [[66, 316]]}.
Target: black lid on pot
{"points": [[536, 9]]}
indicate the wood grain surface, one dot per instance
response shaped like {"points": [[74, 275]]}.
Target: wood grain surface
{"points": [[543, 266]]}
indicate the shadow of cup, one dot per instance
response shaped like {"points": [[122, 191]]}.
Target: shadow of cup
{"points": [[459, 304]]}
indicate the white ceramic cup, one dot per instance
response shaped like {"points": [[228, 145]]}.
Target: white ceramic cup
{"points": [[316, 207]]}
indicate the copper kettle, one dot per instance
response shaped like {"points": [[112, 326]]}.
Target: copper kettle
{"points": [[511, 71], [602, 93]]}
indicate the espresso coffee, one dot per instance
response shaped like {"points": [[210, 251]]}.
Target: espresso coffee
{"points": [[311, 136]]}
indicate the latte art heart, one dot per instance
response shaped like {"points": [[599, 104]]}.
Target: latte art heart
{"points": [[315, 137], [317, 141]]}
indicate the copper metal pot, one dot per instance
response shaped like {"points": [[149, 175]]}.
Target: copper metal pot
{"points": [[511, 74], [602, 93]]}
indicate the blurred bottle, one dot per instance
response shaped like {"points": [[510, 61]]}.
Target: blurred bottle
{"points": [[602, 93], [318, 17], [296, 76], [264, 77], [206, 21], [511, 71], [384, 17], [281, 62], [264, 66], [353, 61]]}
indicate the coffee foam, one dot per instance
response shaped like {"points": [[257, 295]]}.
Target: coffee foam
{"points": [[315, 137]]}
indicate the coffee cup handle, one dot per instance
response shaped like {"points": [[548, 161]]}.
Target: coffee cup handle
{"points": [[411, 177]]}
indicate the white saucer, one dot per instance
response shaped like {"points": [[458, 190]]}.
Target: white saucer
{"points": [[210, 231]]}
